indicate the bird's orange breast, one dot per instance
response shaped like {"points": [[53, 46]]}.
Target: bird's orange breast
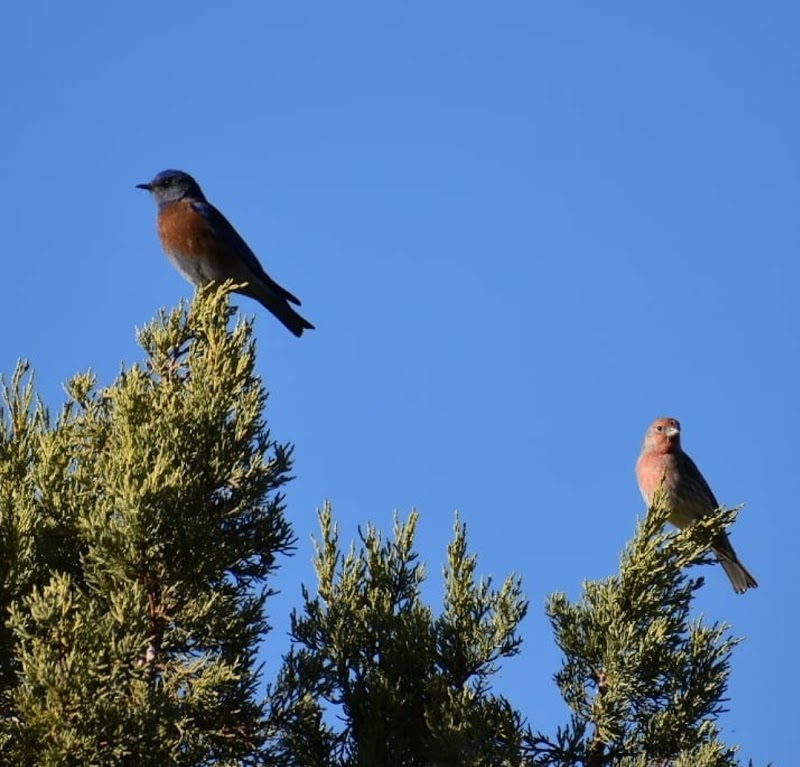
{"points": [[182, 231]]}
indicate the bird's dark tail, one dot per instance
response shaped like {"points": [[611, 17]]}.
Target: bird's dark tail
{"points": [[277, 303], [291, 319], [737, 573]]}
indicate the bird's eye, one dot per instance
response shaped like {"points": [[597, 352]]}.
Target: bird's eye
{"points": [[166, 182], [659, 428]]}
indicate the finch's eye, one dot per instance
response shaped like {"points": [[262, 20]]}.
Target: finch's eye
{"points": [[659, 428]]}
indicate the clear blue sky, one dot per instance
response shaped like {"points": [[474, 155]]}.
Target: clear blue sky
{"points": [[522, 230]]}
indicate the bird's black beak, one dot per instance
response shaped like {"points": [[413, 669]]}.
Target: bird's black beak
{"points": [[148, 187]]}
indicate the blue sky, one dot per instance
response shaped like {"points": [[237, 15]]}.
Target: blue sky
{"points": [[522, 231]]}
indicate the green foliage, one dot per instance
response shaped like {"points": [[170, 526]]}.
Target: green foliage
{"points": [[413, 688], [645, 683], [137, 534]]}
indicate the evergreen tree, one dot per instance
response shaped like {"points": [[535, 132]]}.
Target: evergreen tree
{"points": [[645, 683], [138, 531], [413, 687], [138, 534], [375, 678]]}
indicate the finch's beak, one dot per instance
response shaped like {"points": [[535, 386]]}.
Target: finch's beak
{"points": [[148, 187], [672, 432]]}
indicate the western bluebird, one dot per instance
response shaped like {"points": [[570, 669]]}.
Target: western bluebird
{"points": [[688, 495], [204, 247]]}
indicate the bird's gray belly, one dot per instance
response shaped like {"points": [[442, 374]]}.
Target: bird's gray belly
{"points": [[193, 269]]}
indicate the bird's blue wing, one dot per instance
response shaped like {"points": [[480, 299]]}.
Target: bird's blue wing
{"points": [[228, 236], [231, 239]]}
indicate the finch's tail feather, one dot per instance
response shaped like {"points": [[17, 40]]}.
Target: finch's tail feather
{"points": [[737, 573]]}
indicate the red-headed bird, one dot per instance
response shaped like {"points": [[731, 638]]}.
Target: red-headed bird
{"points": [[687, 493]]}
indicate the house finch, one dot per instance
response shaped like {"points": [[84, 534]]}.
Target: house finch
{"points": [[687, 493]]}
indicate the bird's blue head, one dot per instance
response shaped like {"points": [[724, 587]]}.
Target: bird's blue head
{"points": [[173, 185]]}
